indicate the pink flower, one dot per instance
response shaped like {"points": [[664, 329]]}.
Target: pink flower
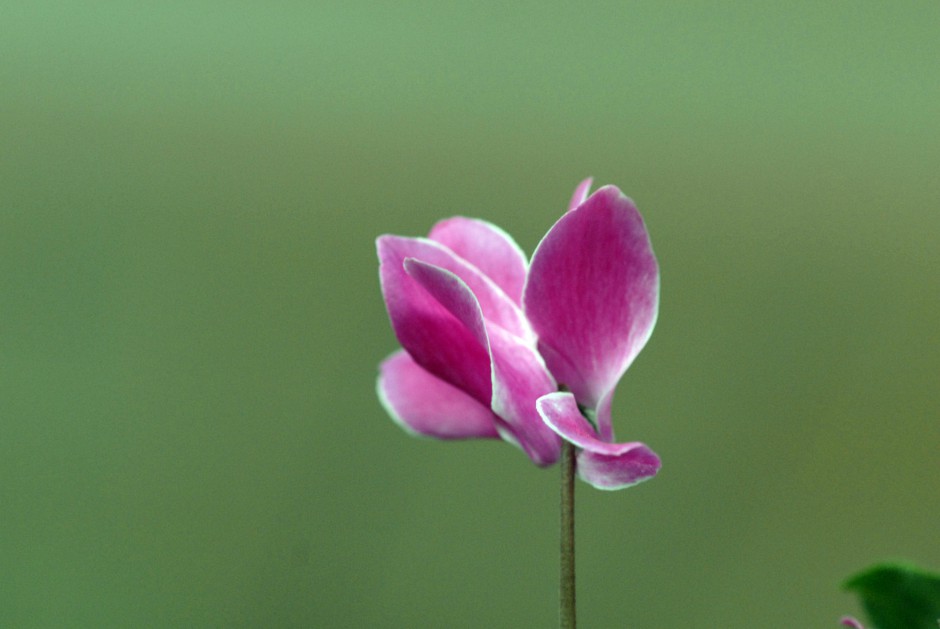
{"points": [[848, 621], [496, 347]]}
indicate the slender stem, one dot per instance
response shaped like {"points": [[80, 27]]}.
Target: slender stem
{"points": [[566, 592]]}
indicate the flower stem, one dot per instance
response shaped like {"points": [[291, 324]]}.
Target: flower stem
{"points": [[566, 592]]}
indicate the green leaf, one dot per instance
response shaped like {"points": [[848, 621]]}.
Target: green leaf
{"points": [[898, 596]]}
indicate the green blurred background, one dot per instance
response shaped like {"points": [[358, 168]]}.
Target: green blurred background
{"points": [[190, 319]]}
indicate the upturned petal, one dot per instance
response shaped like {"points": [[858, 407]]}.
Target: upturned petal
{"points": [[601, 464], [423, 404], [608, 472], [605, 429], [580, 193], [519, 377], [496, 305], [488, 248], [434, 338], [592, 293]]}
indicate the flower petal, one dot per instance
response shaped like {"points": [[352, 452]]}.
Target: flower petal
{"points": [[600, 464], [580, 193], [436, 340], [488, 248], [602, 417], [423, 404], [560, 411], [624, 470], [451, 292], [496, 305], [519, 379], [849, 621], [592, 293], [519, 376]]}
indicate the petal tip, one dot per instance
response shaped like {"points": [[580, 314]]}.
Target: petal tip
{"points": [[612, 472], [580, 193]]}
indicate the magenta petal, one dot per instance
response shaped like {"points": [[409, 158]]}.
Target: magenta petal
{"points": [[496, 305], [451, 293], [436, 340], [580, 193], [560, 411], [600, 464], [592, 293], [425, 405], [602, 471], [488, 248], [848, 621], [519, 376], [604, 427], [519, 379]]}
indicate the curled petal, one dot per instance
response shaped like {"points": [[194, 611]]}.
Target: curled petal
{"points": [[605, 428], [592, 294], [423, 404], [600, 464], [494, 303], [580, 193], [519, 379], [603, 471], [451, 293], [488, 248], [518, 375], [434, 337]]}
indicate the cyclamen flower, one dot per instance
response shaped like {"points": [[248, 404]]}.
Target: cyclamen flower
{"points": [[496, 347]]}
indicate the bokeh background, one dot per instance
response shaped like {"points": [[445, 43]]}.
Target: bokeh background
{"points": [[190, 319]]}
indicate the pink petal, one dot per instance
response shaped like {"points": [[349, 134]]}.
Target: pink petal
{"points": [[436, 340], [425, 405], [488, 248], [560, 411], [496, 305], [592, 293], [848, 621], [600, 464], [605, 429], [580, 193], [519, 379], [452, 293], [618, 472], [518, 375]]}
